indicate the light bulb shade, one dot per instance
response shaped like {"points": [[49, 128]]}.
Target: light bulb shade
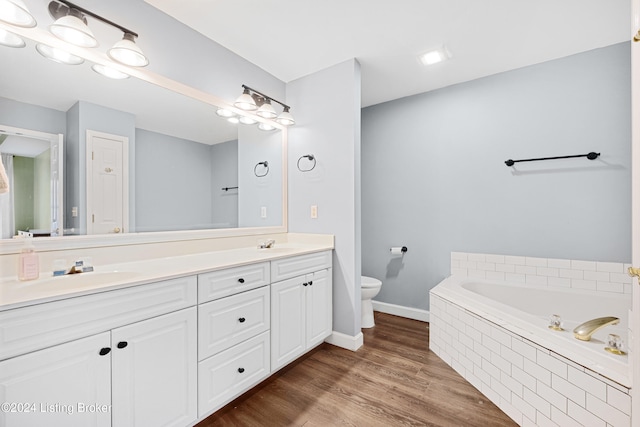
{"points": [[285, 118], [246, 102], [247, 120], [58, 55], [15, 12], [267, 111], [223, 112], [265, 126], [10, 40], [233, 120], [109, 72], [72, 29], [127, 52]]}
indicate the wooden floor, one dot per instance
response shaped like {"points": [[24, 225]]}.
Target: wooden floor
{"points": [[393, 380]]}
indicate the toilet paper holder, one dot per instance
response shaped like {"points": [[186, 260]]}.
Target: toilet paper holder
{"points": [[397, 250]]}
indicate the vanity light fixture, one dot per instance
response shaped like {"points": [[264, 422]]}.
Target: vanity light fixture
{"points": [[109, 72], [251, 100], [71, 26], [15, 12], [435, 55], [58, 55], [9, 39]]}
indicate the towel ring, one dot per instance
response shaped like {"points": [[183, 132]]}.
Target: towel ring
{"points": [[311, 158], [255, 169]]}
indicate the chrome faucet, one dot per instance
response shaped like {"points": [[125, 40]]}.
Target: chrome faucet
{"points": [[585, 330], [266, 245]]}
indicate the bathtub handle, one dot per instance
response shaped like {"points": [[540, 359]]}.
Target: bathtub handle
{"points": [[633, 272]]}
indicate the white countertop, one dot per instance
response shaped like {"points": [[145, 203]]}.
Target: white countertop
{"points": [[15, 293]]}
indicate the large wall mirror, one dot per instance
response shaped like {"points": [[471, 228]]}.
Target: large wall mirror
{"points": [[185, 167]]}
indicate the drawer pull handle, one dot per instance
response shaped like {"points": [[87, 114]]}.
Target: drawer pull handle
{"points": [[122, 344], [104, 351], [310, 282], [241, 280], [241, 320], [241, 370], [305, 284]]}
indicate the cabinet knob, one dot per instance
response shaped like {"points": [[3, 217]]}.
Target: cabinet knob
{"points": [[305, 284], [241, 320], [122, 344], [241, 280], [104, 351], [310, 282], [241, 370]]}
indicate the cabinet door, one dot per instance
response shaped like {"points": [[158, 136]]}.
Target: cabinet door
{"points": [[319, 318], [154, 377], [65, 385], [287, 321]]}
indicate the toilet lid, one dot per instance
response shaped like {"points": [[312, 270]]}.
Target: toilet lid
{"points": [[369, 282]]}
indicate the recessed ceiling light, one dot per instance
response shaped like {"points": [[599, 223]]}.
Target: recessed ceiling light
{"points": [[435, 55]]}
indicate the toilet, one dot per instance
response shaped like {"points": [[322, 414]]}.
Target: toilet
{"points": [[370, 288]]}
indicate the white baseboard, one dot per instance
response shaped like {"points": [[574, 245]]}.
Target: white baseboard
{"points": [[398, 310], [346, 341]]}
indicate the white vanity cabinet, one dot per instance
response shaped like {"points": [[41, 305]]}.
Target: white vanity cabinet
{"points": [[103, 364], [301, 315]]}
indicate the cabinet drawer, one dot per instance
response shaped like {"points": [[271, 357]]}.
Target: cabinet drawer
{"points": [[228, 374], [295, 266], [31, 328], [226, 322], [222, 283]]}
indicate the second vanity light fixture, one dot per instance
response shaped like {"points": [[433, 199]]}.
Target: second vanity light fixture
{"points": [[71, 26], [252, 100]]}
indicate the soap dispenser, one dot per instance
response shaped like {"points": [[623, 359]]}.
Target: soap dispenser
{"points": [[28, 265]]}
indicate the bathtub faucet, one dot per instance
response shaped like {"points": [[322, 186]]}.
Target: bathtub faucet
{"points": [[584, 331]]}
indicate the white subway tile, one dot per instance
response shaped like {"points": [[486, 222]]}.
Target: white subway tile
{"points": [[495, 275], [515, 278], [512, 383], [512, 357], [475, 334], [515, 260], [552, 364], [465, 340], [562, 419], [475, 358], [607, 412], [602, 276], [550, 395], [620, 277], [486, 266], [490, 369], [542, 421], [526, 269], [474, 380], [610, 267], [501, 363], [574, 393], [460, 256], [457, 366], [476, 257], [583, 284], [459, 271], [501, 336], [548, 272], [558, 263], [478, 274], [559, 282], [469, 265], [523, 348], [455, 263], [482, 325], [511, 411], [491, 344], [496, 259], [536, 280], [583, 416], [571, 274], [538, 402], [619, 400], [482, 375], [537, 371], [523, 406], [506, 268], [536, 262], [569, 362], [501, 389], [583, 265], [628, 288], [523, 378], [610, 287], [483, 351]]}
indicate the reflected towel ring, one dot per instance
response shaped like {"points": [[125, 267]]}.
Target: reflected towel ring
{"points": [[265, 164], [311, 158]]}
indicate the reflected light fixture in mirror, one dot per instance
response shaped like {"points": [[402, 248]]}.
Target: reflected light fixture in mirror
{"points": [[266, 110], [109, 72], [251, 99], [15, 12], [246, 101], [9, 39], [58, 55], [72, 28]]}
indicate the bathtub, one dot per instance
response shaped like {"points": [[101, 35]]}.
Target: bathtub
{"points": [[496, 335]]}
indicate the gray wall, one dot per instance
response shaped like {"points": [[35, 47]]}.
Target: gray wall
{"points": [[434, 177], [28, 116], [327, 112], [224, 173]]}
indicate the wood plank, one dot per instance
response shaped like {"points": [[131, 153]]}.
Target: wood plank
{"points": [[393, 380]]}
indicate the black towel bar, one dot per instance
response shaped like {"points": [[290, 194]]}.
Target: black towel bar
{"points": [[591, 156]]}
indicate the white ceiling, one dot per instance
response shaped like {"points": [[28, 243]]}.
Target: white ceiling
{"points": [[294, 38]]}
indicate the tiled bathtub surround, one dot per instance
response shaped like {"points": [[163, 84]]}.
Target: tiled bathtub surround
{"points": [[565, 273], [531, 384]]}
